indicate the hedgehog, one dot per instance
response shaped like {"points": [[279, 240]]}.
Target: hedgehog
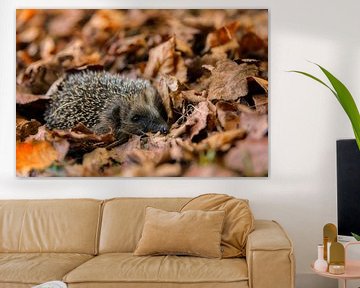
{"points": [[106, 102]]}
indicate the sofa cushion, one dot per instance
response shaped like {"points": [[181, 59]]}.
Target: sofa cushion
{"points": [[193, 232], [126, 268], [238, 223], [123, 220], [64, 226], [36, 268]]}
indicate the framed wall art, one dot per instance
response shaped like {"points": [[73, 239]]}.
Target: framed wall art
{"points": [[142, 93]]}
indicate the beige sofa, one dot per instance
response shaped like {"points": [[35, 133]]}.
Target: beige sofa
{"points": [[89, 243]]}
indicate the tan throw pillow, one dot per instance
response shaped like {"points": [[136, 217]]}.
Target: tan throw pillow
{"points": [[239, 221], [196, 233]]}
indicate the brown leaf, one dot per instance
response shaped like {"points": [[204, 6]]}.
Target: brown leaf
{"points": [[184, 47], [228, 80], [47, 48], [222, 35], [141, 157], [150, 170], [220, 140], [163, 59], [43, 134], [261, 103], [181, 150], [223, 39], [34, 155], [251, 45], [28, 35], [103, 25], [194, 96], [230, 47], [198, 119], [167, 170], [125, 45], [262, 82], [208, 171], [94, 161], [24, 97], [62, 147], [228, 115], [120, 153], [158, 148], [207, 19], [41, 74], [249, 157], [66, 22], [163, 89], [24, 128], [83, 139], [256, 125], [184, 34]]}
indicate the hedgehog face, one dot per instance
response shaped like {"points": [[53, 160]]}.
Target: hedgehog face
{"points": [[145, 114]]}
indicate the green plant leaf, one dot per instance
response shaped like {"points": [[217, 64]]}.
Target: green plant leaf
{"points": [[344, 97], [356, 236], [316, 79], [347, 102]]}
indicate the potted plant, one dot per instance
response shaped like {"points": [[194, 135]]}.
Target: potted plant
{"points": [[346, 100]]}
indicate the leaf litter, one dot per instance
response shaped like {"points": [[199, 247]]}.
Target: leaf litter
{"points": [[209, 66]]}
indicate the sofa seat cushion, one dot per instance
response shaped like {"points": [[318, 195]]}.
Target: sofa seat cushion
{"points": [[127, 268], [36, 268]]}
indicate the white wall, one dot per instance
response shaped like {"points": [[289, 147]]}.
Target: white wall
{"points": [[305, 121]]}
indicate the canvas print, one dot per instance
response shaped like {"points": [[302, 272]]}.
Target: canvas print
{"points": [[129, 93]]}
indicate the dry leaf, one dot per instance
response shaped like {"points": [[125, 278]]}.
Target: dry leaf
{"points": [[249, 157], [41, 74], [228, 80], [163, 89], [24, 128], [167, 170], [163, 59], [102, 26], [120, 153], [180, 150], [94, 161], [66, 22], [194, 96], [127, 45], [198, 119], [34, 155], [251, 45], [220, 140], [222, 35], [262, 82], [24, 97], [261, 103], [82, 139], [228, 115], [256, 125]]}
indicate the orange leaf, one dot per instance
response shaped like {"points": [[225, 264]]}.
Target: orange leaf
{"points": [[34, 155]]}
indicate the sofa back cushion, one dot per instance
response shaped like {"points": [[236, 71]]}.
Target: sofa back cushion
{"points": [[67, 226], [123, 220]]}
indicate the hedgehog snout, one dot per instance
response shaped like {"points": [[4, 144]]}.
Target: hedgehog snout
{"points": [[162, 127]]}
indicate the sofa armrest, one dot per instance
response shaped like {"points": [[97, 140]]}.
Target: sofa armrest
{"points": [[269, 256]]}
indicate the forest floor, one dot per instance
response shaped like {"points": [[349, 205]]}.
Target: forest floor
{"points": [[209, 66]]}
